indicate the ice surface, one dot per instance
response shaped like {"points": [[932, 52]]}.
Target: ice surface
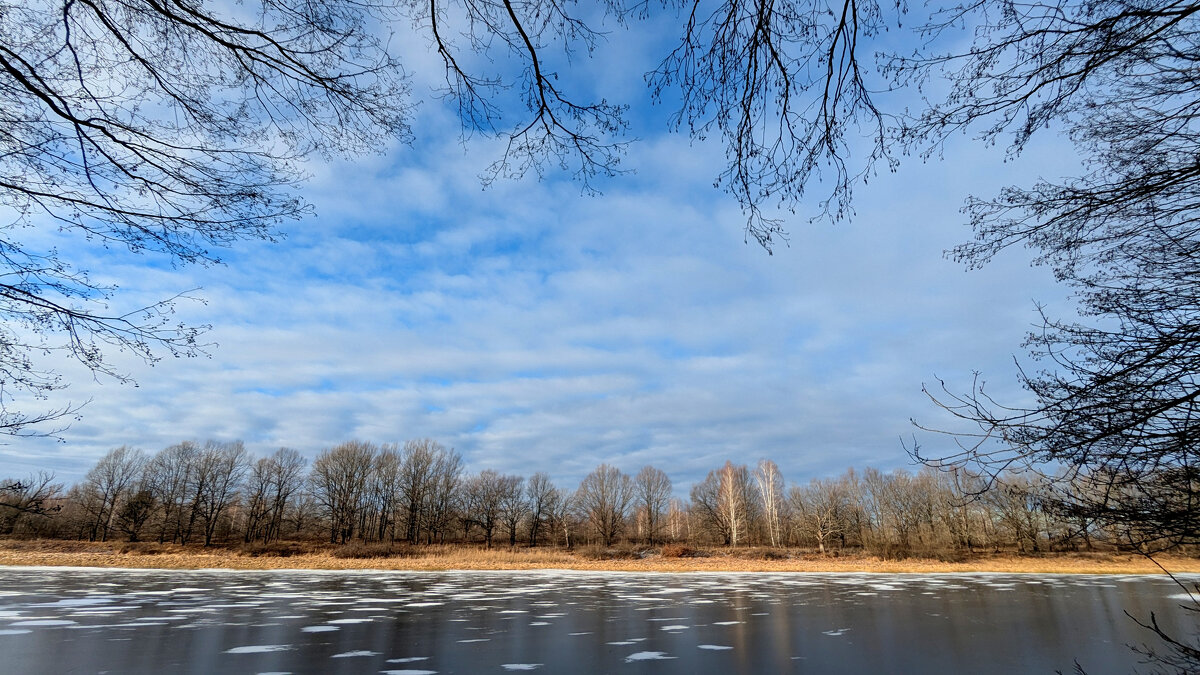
{"points": [[295, 599]]}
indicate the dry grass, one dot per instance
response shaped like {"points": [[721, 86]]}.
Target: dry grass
{"points": [[298, 555]]}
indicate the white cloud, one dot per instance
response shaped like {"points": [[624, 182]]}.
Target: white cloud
{"points": [[536, 329]]}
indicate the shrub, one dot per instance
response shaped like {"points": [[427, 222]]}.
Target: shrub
{"points": [[596, 552], [363, 550], [764, 554], [275, 549], [677, 551], [142, 548]]}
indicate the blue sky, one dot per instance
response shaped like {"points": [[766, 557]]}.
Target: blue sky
{"points": [[534, 328]]}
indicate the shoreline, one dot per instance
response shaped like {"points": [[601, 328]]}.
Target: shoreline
{"points": [[113, 556]]}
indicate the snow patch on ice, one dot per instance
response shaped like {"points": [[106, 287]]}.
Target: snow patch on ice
{"points": [[258, 649], [75, 602], [648, 656]]}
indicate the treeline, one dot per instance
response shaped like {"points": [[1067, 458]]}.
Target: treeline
{"points": [[420, 493]]}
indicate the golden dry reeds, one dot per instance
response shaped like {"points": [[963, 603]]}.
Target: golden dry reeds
{"points": [[307, 555]]}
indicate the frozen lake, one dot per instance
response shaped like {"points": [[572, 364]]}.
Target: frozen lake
{"points": [[55, 620]]}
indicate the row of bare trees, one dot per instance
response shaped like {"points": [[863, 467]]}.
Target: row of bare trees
{"points": [[419, 492]]}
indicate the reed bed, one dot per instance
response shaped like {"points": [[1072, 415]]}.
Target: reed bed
{"points": [[304, 555]]}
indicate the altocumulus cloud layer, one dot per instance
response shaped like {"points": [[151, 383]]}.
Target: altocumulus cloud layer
{"points": [[533, 328]]}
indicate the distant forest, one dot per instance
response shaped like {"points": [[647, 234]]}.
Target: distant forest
{"points": [[420, 493]]}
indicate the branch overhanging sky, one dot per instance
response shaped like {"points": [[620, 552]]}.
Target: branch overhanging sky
{"points": [[533, 328]]}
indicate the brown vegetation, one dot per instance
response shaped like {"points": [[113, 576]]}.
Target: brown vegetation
{"points": [[670, 558]]}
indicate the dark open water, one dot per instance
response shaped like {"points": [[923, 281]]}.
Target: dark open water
{"points": [[55, 620]]}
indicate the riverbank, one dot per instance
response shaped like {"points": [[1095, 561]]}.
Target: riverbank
{"points": [[433, 558]]}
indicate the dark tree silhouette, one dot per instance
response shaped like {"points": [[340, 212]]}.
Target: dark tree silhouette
{"points": [[1114, 418], [161, 127], [1116, 391], [30, 496]]}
